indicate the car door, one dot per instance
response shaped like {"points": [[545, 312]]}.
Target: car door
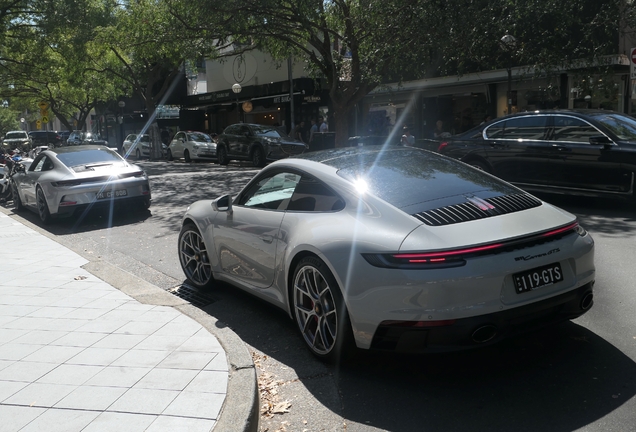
{"points": [[28, 181], [582, 165], [518, 150], [176, 146], [246, 238]]}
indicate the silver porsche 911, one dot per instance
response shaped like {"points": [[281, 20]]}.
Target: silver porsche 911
{"points": [[62, 180], [392, 249]]}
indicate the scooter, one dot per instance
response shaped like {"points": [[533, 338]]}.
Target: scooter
{"points": [[12, 166]]}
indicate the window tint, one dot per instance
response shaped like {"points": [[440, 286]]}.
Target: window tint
{"points": [[495, 131], [200, 137], [622, 126], [243, 130], [572, 129], [527, 128], [269, 131], [271, 192], [314, 196]]}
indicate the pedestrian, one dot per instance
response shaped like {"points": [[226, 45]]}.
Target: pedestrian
{"points": [[407, 138], [323, 125], [439, 132], [313, 129], [298, 131]]}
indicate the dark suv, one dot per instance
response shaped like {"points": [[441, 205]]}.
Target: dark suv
{"points": [[82, 138], [578, 152], [258, 143], [45, 138]]}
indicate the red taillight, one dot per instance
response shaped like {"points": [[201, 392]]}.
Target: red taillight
{"points": [[66, 183], [571, 227], [441, 146], [441, 256]]}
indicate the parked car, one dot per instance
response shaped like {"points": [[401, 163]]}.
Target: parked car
{"points": [[191, 145], [139, 145], [258, 143], [63, 180], [84, 138], [17, 140], [393, 248], [45, 138], [581, 152], [65, 135]]}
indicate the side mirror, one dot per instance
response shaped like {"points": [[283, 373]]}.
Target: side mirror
{"points": [[600, 140], [223, 204]]}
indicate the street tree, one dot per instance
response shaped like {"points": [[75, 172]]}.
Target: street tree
{"points": [[354, 45]]}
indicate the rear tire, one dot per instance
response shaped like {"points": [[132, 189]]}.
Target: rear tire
{"points": [[186, 156], [194, 258], [221, 154], [137, 154], [320, 311], [43, 207]]}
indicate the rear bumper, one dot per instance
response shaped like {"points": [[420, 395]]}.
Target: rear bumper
{"points": [[487, 329]]}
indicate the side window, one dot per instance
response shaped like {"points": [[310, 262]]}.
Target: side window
{"points": [[312, 195], [244, 130], [41, 164], [271, 192], [495, 131], [526, 128], [573, 130]]}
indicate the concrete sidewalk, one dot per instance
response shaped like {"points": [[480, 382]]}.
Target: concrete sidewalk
{"points": [[78, 354]]}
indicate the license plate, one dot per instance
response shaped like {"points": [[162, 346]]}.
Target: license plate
{"points": [[537, 278], [112, 194]]}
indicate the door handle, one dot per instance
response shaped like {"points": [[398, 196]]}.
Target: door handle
{"points": [[267, 238]]}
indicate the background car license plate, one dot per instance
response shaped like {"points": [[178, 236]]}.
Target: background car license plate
{"points": [[537, 277], [111, 194]]}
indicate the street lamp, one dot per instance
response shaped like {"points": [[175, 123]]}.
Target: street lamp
{"points": [[508, 43], [236, 88]]}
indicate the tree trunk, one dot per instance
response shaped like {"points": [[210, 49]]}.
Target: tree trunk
{"points": [[341, 120]]}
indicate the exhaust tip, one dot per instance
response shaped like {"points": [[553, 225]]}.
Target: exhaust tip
{"points": [[587, 301], [484, 333]]}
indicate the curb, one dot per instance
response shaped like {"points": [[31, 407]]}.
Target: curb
{"points": [[240, 411]]}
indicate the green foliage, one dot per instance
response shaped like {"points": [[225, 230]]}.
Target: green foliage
{"points": [[8, 120]]}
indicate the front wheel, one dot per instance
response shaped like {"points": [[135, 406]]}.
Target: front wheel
{"points": [[43, 207], [186, 156], [320, 311], [221, 154], [258, 158], [194, 258], [17, 202]]}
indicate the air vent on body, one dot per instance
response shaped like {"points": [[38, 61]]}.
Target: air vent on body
{"points": [[469, 211]]}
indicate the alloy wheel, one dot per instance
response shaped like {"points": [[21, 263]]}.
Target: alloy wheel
{"points": [[43, 207], [193, 256], [316, 310]]}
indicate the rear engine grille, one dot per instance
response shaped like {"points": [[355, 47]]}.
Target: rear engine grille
{"points": [[292, 149], [469, 211]]}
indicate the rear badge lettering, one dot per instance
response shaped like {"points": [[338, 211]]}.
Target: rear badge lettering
{"points": [[531, 257]]}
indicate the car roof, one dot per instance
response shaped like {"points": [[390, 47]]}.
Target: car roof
{"points": [[75, 149]]}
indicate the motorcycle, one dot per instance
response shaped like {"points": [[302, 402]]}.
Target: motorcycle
{"points": [[12, 166]]}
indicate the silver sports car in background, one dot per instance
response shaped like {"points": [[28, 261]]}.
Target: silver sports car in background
{"points": [[62, 180], [392, 249]]}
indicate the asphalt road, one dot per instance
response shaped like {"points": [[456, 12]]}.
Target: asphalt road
{"points": [[578, 376]]}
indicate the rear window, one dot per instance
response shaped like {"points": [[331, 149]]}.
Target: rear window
{"points": [[409, 178], [88, 157]]}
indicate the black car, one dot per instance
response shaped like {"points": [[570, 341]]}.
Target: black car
{"points": [[84, 138], [258, 143], [45, 138], [578, 152]]}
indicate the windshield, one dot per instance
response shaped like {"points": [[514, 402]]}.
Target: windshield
{"points": [[622, 126], [16, 135], [268, 131], [88, 157], [199, 136]]}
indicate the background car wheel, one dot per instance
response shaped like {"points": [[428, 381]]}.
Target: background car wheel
{"points": [[169, 155], [137, 154], [193, 256], [479, 165], [258, 158], [17, 202], [320, 311], [43, 207], [221, 154], [186, 156]]}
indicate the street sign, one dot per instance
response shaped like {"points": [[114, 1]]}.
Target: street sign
{"points": [[43, 105], [45, 119], [632, 62], [44, 112], [38, 124]]}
